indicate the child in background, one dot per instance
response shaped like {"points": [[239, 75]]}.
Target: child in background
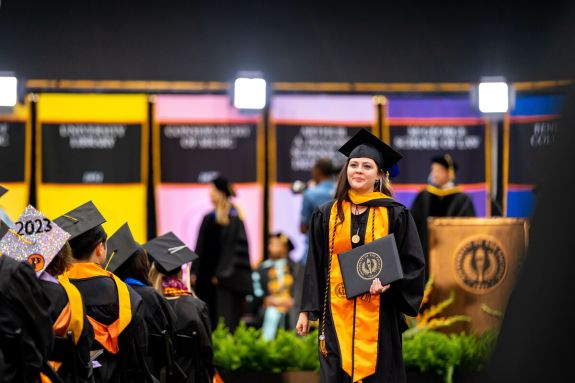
{"points": [[274, 282]]}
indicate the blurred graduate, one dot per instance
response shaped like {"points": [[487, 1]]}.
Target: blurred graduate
{"points": [[193, 344]]}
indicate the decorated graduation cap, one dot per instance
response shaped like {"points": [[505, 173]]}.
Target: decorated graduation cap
{"points": [[81, 219], [121, 246], [284, 239], [35, 239], [365, 145], [223, 185], [169, 253], [447, 162]]}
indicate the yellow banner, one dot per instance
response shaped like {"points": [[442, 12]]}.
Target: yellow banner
{"points": [[17, 198], [119, 202]]}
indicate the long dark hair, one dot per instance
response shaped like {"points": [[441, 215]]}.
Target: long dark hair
{"points": [[383, 185], [137, 267]]}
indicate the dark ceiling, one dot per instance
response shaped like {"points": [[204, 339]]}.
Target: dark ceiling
{"points": [[356, 41]]}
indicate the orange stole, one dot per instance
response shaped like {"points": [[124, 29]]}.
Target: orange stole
{"points": [[106, 335], [358, 344]]}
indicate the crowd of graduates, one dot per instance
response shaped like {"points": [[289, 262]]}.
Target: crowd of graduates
{"points": [[77, 306]]}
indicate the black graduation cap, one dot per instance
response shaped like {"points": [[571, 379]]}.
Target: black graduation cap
{"points": [[80, 220], [3, 190], [121, 246], [365, 144], [223, 185], [3, 225], [284, 238], [169, 253], [446, 161]]}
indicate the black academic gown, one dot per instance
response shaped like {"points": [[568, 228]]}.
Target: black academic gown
{"points": [[159, 317], [194, 352], [101, 299], [428, 204], [83, 366], [26, 336], [223, 253], [404, 296]]}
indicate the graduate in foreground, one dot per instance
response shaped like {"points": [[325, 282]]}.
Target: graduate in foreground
{"points": [[360, 338]]}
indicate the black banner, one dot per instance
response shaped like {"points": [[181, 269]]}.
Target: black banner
{"points": [[197, 153], [300, 146], [12, 151], [527, 141], [91, 153], [418, 144]]}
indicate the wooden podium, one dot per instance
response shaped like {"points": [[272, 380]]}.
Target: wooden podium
{"points": [[478, 259]]}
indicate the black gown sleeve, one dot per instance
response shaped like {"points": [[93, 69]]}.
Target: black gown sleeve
{"points": [[466, 208], [314, 274], [408, 292]]}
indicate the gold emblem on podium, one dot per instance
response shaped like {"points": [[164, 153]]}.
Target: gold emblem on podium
{"points": [[480, 265]]}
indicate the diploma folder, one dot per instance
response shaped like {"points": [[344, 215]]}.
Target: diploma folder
{"points": [[376, 259]]}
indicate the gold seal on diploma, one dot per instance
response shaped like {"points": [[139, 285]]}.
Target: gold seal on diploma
{"points": [[369, 265]]}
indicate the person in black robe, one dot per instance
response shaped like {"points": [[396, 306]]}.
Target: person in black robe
{"points": [[360, 338], [194, 352], [441, 198], [26, 336], [129, 261], [222, 274], [76, 365], [120, 333]]}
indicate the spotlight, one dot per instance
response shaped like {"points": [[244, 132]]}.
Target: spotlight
{"points": [[250, 91]]}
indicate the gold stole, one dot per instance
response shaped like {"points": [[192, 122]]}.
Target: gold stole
{"points": [[358, 339], [106, 335]]}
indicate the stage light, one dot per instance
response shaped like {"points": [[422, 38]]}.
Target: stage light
{"points": [[250, 93], [8, 90], [493, 96]]}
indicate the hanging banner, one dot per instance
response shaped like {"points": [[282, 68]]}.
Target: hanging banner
{"points": [[532, 127], [422, 128], [94, 147], [15, 160], [197, 138], [305, 129]]}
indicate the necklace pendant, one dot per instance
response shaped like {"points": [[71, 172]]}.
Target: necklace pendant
{"points": [[355, 239]]}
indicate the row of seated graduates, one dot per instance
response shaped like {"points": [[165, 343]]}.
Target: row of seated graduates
{"points": [[80, 322]]}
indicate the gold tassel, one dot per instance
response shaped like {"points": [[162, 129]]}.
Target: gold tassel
{"points": [[322, 346]]}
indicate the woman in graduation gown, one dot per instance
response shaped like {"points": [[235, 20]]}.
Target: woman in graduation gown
{"points": [[47, 251], [129, 261], [223, 270], [194, 353], [360, 338], [113, 308]]}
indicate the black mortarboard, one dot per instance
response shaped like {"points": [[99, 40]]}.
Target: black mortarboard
{"points": [[224, 186], [446, 161], [169, 253], [121, 246], [376, 259], [284, 238], [80, 220], [3, 190], [364, 144]]}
